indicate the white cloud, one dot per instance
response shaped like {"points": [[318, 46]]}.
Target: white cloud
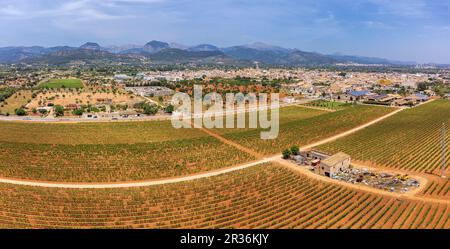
{"points": [[376, 25], [10, 10], [80, 10]]}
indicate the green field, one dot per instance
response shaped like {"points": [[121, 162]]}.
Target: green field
{"points": [[409, 140], [332, 105], [62, 83]]}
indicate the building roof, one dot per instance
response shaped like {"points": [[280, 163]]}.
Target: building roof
{"points": [[380, 96], [421, 96], [359, 93], [336, 158]]}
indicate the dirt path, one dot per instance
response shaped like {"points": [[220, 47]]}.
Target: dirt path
{"points": [[236, 145], [409, 195], [131, 184]]}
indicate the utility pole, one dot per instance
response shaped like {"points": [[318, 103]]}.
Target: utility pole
{"points": [[443, 150]]}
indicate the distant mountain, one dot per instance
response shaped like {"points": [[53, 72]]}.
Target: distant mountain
{"points": [[91, 46], [266, 47], [203, 47], [163, 52], [80, 56], [13, 54], [359, 59], [119, 49], [180, 56], [155, 46], [251, 54], [178, 46], [298, 57], [58, 49]]}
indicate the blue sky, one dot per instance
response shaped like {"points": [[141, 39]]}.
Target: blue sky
{"points": [[413, 30]]}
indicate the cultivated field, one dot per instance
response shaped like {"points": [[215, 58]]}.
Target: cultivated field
{"points": [[265, 196], [123, 151], [62, 83], [66, 96], [304, 129], [103, 152], [409, 140], [328, 104]]}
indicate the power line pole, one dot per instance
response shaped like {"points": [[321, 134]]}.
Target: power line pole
{"points": [[443, 150]]}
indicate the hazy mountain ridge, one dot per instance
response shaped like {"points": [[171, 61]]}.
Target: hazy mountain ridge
{"points": [[163, 52]]}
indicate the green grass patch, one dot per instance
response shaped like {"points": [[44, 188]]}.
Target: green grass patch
{"points": [[62, 83], [332, 105]]}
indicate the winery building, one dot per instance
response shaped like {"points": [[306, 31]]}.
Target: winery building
{"points": [[332, 164]]}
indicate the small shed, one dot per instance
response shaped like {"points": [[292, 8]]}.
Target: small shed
{"points": [[331, 165]]}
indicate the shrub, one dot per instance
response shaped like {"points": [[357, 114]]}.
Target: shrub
{"points": [[21, 112], [287, 154], [169, 109], [59, 110], [295, 150], [78, 112]]}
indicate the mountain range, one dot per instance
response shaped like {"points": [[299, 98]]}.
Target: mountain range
{"points": [[158, 52]]}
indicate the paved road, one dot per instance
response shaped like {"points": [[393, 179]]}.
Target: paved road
{"points": [[142, 118]]}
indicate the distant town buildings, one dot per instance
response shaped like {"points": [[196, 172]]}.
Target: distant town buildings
{"points": [[151, 91]]}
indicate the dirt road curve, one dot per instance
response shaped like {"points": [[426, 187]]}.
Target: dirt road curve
{"points": [[409, 195]]}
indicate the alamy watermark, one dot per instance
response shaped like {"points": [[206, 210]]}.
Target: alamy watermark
{"points": [[229, 114]]}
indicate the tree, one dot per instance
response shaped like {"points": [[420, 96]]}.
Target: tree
{"points": [[295, 150], [169, 109], [21, 112], [78, 112], [150, 109], [422, 86], [59, 110], [286, 154]]}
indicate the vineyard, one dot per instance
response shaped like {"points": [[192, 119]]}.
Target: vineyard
{"points": [[117, 151], [306, 130], [265, 196], [104, 152], [332, 105], [286, 115], [94, 133], [409, 140]]}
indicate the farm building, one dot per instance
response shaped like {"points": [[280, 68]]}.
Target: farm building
{"points": [[383, 98], [313, 155], [358, 95], [331, 165], [324, 164]]}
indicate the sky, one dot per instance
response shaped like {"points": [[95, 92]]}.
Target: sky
{"points": [[407, 30]]}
